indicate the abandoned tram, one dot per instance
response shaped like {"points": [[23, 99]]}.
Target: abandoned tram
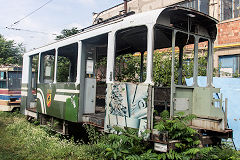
{"points": [[75, 94]]}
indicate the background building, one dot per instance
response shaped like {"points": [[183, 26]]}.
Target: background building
{"points": [[227, 12]]}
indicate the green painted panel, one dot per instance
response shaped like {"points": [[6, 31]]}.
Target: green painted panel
{"points": [[203, 103], [59, 100], [185, 93], [71, 112]]}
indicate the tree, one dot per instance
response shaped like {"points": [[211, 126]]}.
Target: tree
{"points": [[10, 52], [67, 32]]}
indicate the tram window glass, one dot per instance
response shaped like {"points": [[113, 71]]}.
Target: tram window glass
{"points": [[14, 80], [130, 63], [67, 63], [47, 66], [184, 58]]}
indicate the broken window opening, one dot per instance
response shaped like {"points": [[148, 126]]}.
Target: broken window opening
{"points": [[130, 62], [67, 63], [95, 50]]}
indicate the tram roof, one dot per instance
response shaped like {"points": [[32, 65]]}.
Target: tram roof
{"points": [[144, 18]]}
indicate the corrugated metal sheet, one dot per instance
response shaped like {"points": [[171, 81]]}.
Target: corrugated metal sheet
{"points": [[230, 88]]}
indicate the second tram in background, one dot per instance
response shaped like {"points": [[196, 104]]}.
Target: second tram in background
{"points": [[10, 87]]}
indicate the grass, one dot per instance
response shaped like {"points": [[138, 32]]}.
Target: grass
{"points": [[20, 139]]}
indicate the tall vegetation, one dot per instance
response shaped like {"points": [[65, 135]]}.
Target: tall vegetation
{"points": [[22, 140], [125, 144]]}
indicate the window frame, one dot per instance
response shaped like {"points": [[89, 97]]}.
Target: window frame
{"points": [[56, 63], [113, 73], [41, 66], [233, 10], [196, 56]]}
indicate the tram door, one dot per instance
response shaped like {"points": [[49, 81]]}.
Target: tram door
{"points": [[33, 76], [90, 80]]}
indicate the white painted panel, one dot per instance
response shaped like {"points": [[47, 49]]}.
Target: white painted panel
{"points": [[61, 98], [67, 91]]}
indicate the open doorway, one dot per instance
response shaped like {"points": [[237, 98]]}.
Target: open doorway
{"points": [[33, 80], [95, 50]]}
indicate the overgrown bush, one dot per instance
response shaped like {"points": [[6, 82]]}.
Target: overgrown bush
{"points": [[178, 129], [122, 144], [126, 145]]}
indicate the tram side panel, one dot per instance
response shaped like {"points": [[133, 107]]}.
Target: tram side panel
{"points": [[127, 105], [59, 100]]}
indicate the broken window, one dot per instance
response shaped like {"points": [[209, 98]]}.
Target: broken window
{"points": [[130, 63], [162, 60], [184, 57], [230, 9], [67, 63], [191, 4]]}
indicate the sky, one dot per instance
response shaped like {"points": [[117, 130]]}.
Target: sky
{"points": [[50, 19]]}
